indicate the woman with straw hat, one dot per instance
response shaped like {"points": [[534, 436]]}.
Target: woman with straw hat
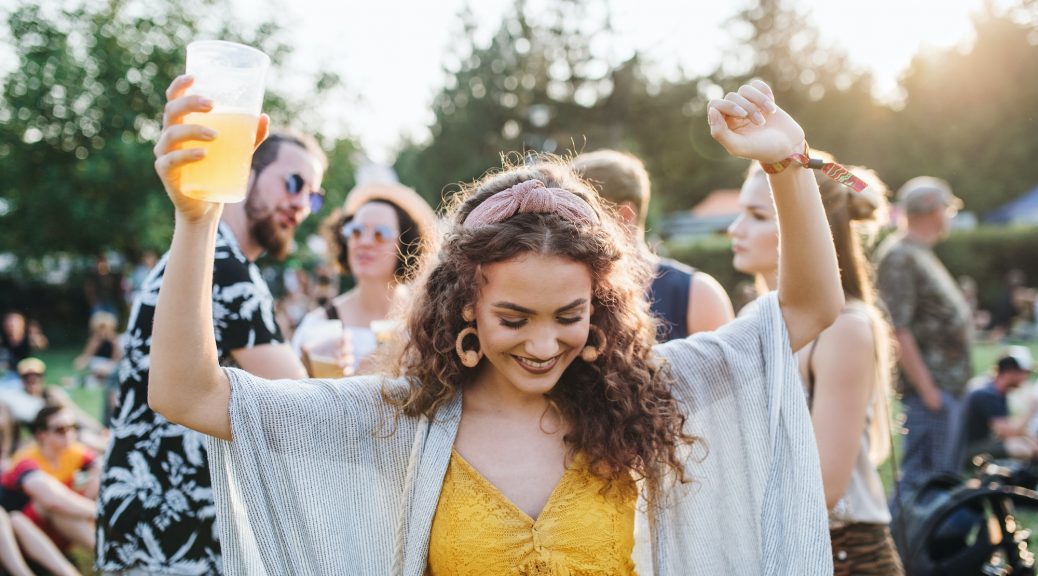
{"points": [[377, 237]]}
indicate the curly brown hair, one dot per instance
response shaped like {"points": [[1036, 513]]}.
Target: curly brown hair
{"points": [[621, 413]]}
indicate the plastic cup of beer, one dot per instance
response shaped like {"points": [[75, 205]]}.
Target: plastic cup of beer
{"points": [[325, 365], [233, 77], [329, 350], [385, 330]]}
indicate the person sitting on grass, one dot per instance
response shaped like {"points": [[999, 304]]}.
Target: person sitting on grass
{"points": [[22, 541], [985, 424], [54, 481], [33, 372], [102, 351]]}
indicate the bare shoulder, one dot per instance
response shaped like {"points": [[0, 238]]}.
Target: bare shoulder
{"points": [[315, 315], [703, 281], [709, 304], [851, 329]]}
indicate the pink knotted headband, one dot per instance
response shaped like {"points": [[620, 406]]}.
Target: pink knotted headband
{"points": [[531, 197]]}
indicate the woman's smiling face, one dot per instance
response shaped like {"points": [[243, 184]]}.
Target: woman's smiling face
{"points": [[533, 316]]}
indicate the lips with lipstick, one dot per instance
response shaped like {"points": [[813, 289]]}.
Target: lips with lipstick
{"points": [[364, 258], [536, 366]]}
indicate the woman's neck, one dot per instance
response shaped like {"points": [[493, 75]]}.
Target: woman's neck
{"points": [[768, 280], [489, 393], [373, 296]]}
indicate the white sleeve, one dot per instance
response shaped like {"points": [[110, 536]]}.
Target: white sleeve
{"points": [[301, 333], [755, 471], [307, 460]]}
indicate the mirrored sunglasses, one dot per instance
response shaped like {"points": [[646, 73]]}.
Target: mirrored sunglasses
{"points": [[380, 232], [295, 184]]}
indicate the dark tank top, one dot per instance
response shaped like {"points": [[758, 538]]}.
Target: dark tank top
{"points": [[105, 350], [669, 296]]}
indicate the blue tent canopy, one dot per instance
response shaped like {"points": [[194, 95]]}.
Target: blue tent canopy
{"points": [[1022, 209]]}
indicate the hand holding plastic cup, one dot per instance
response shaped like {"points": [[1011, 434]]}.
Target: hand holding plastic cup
{"points": [[386, 330], [330, 351], [233, 77]]}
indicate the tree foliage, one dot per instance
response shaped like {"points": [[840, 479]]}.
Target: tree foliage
{"points": [[533, 87], [541, 85], [80, 113], [80, 110], [965, 113], [969, 115]]}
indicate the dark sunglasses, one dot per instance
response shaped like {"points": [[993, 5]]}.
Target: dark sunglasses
{"points": [[380, 232], [63, 429], [295, 185]]}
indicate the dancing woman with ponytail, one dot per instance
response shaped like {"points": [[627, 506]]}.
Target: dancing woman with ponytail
{"points": [[846, 370]]}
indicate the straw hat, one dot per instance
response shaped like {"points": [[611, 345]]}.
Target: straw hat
{"points": [[31, 365], [407, 199], [102, 319]]}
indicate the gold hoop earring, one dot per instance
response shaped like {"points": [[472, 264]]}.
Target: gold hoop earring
{"points": [[469, 358], [591, 353]]}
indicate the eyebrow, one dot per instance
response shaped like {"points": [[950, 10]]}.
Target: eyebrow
{"points": [[509, 306], [762, 208], [758, 207]]}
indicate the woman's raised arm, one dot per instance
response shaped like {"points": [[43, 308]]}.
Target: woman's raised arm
{"points": [[186, 384], [749, 124]]}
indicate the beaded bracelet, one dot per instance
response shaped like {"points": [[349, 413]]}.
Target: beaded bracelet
{"points": [[831, 169]]}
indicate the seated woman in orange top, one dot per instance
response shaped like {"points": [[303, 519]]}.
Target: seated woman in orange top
{"points": [[54, 480]]}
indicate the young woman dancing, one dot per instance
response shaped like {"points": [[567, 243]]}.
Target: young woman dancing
{"points": [[846, 370], [532, 410]]}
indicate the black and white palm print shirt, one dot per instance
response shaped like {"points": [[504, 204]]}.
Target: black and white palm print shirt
{"points": [[156, 511]]}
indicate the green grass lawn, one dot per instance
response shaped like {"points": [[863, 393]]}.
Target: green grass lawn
{"points": [[984, 356], [61, 372]]}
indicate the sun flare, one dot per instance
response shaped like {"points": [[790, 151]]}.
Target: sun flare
{"points": [[884, 35]]}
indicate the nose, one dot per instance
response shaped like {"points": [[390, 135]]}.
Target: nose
{"points": [[366, 238], [735, 226], [300, 202], [542, 344]]}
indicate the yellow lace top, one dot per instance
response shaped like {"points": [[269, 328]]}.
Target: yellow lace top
{"points": [[580, 532]]}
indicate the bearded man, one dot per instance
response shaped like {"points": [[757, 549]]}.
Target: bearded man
{"points": [[156, 512]]}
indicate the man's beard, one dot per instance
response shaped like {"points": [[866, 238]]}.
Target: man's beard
{"points": [[276, 242]]}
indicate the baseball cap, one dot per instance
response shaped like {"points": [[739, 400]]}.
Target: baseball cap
{"points": [[925, 194], [31, 366], [1016, 358]]}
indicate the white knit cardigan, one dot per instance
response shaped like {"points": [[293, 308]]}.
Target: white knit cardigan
{"points": [[321, 478]]}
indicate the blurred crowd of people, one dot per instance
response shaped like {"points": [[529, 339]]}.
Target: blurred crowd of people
{"points": [[1013, 317], [140, 494]]}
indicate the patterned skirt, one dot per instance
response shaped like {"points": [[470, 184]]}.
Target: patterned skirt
{"points": [[864, 550]]}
